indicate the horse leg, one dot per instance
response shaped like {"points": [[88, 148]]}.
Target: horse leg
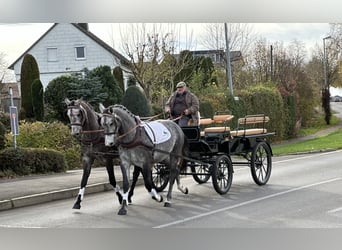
{"points": [[125, 178], [180, 187], [148, 184], [112, 180], [86, 172], [173, 174], [136, 174]]}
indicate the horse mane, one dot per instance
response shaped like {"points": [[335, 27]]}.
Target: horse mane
{"points": [[119, 106]]}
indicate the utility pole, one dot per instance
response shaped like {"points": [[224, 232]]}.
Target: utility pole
{"points": [[228, 66]]}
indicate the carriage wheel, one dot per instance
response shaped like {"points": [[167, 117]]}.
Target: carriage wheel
{"points": [[261, 163], [222, 174], [200, 173], [160, 177]]}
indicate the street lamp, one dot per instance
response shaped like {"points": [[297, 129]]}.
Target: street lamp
{"points": [[325, 62], [325, 88]]}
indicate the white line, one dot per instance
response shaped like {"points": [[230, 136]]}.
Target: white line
{"points": [[335, 210], [245, 203]]}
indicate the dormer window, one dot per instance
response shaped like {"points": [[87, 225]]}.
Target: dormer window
{"points": [[80, 53]]}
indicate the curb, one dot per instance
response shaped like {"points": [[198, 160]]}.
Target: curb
{"points": [[55, 195]]}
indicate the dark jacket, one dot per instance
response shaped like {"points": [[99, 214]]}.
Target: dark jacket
{"points": [[192, 104]]}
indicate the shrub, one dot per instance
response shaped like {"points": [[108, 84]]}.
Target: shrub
{"points": [[261, 99], [29, 73], [54, 135], [2, 135], [206, 110], [136, 102], [26, 161], [54, 95], [37, 99]]}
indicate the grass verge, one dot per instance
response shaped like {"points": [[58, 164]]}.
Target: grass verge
{"points": [[332, 141]]}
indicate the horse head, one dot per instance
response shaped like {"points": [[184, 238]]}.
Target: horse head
{"points": [[111, 124], [77, 115]]}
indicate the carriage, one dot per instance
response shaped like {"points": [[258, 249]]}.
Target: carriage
{"points": [[215, 148], [206, 150]]}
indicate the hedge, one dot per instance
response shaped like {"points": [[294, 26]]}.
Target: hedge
{"points": [[27, 161], [53, 135]]}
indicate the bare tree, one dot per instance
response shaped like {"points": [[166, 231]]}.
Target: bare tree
{"points": [[239, 34], [147, 45], [2, 66]]}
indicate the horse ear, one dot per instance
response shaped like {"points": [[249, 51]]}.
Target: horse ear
{"points": [[111, 109], [101, 107], [67, 101]]}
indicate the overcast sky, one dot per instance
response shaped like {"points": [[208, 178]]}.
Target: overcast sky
{"points": [[16, 38]]}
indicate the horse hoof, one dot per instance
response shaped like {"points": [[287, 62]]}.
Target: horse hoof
{"points": [[186, 191], [155, 198], [122, 212], [76, 206], [167, 204]]}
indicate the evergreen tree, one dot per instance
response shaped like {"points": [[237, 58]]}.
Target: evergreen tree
{"points": [[54, 95], [29, 73], [118, 77], [89, 88], [135, 100], [109, 86], [37, 94]]}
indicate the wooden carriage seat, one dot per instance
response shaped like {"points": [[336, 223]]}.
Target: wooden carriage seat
{"points": [[219, 119], [251, 120]]}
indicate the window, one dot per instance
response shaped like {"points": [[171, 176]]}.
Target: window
{"points": [[52, 54], [80, 53]]}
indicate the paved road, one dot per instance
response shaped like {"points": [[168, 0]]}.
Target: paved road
{"points": [[303, 192]]}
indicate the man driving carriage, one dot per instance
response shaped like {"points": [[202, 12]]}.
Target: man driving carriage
{"points": [[183, 106]]}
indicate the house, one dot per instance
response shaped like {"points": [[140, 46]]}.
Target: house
{"points": [[5, 98], [218, 55], [68, 48]]}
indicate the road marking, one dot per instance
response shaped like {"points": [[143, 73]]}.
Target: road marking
{"points": [[335, 210], [246, 203]]}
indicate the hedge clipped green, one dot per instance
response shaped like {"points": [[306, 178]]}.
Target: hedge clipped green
{"points": [[26, 161], [261, 99], [54, 135]]}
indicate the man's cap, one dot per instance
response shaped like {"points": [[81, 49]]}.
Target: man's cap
{"points": [[181, 84]]}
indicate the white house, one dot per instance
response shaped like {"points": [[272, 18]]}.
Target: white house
{"points": [[68, 48]]}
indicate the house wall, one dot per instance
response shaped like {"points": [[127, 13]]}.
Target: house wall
{"points": [[65, 37]]}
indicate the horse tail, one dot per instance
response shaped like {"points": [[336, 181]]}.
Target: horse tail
{"points": [[186, 153]]}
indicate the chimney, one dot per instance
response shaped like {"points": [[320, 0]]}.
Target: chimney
{"points": [[84, 26]]}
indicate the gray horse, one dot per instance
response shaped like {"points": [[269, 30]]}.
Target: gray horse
{"points": [[85, 126], [136, 147]]}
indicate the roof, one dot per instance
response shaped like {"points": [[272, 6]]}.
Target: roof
{"points": [[123, 60], [234, 55]]}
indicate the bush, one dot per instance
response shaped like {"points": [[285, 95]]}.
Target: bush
{"points": [[5, 119], [206, 110], [261, 99], [54, 135], [26, 161], [29, 72], [135, 101], [2, 135], [37, 99]]}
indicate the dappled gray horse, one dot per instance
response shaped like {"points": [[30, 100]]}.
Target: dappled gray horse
{"points": [[85, 125], [137, 147]]}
